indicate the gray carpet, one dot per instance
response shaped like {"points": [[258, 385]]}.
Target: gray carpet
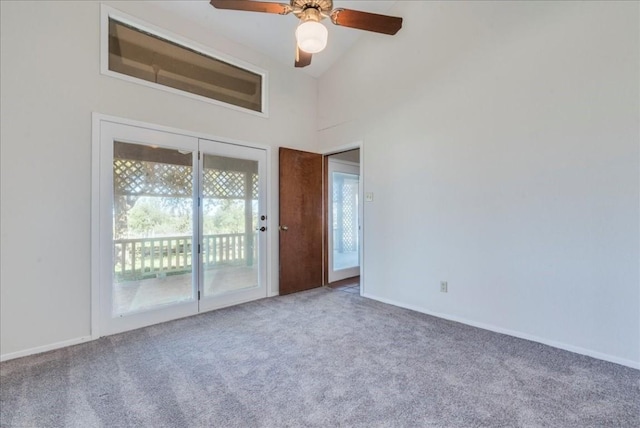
{"points": [[320, 358]]}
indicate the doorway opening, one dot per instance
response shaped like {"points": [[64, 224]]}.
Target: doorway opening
{"points": [[343, 224]]}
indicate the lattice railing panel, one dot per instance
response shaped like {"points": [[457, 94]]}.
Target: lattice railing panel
{"points": [[224, 184], [138, 178], [254, 188]]}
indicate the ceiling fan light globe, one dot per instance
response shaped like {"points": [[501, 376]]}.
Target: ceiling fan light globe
{"points": [[312, 36]]}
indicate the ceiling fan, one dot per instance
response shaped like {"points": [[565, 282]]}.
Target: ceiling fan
{"points": [[311, 35]]}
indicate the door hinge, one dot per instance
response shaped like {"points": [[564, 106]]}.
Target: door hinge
{"points": [[198, 200], [198, 155], [198, 248], [198, 294]]}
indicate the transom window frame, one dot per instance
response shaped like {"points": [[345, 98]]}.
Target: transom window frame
{"points": [[107, 12]]}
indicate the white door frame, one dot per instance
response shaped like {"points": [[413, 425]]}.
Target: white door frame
{"points": [[101, 227]]}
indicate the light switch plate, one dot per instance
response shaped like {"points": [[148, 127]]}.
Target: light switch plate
{"points": [[368, 197]]}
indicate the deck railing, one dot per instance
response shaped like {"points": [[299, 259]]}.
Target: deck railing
{"points": [[151, 257]]}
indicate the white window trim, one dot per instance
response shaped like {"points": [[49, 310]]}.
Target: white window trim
{"points": [[107, 12]]}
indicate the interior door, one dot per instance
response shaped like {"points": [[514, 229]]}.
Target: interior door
{"points": [[233, 224], [301, 220]]}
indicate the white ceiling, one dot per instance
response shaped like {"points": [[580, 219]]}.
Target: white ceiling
{"points": [[273, 35]]}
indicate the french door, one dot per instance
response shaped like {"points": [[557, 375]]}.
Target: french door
{"points": [[181, 226], [232, 224]]}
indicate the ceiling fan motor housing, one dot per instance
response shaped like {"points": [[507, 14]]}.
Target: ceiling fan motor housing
{"points": [[310, 14], [300, 8]]}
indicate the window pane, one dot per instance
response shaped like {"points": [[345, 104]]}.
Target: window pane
{"points": [[345, 220], [146, 56]]}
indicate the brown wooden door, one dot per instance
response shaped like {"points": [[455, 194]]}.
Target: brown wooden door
{"points": [[301, 220]]}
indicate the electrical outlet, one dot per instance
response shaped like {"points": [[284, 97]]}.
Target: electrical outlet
{"points": [[444, 287]]}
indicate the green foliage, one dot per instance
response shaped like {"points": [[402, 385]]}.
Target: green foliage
{"points": [[161, 216], [156, 216], [223, 216]]}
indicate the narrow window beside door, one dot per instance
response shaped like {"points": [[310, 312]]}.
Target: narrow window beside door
{"points": [[344, 230]]}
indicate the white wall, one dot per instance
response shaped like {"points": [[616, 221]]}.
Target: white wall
{"points": [[349, 156], [501, 142], [50, 84]]}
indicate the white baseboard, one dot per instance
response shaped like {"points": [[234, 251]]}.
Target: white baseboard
{"points": [[45, 348], [559, 345]]}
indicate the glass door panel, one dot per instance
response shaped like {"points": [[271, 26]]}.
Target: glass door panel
{"points": [[230, 219], [152, 227], [232, 243]]}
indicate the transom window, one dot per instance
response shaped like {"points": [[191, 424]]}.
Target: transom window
{"points": [[151, 58]]}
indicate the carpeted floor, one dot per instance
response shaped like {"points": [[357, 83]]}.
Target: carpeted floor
{"points": [[320, 358]]}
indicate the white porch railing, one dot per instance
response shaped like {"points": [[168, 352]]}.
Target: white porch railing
{"points": [[147, 257]]}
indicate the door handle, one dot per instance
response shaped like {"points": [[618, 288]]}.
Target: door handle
{"points": [[284, 228], [261, 229]]}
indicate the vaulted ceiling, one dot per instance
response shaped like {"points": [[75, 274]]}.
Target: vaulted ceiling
{"points": [[273, 35]]}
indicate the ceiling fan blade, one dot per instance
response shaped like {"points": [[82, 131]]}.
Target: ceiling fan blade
{"points": [[302, 58], [366, 21], [252, 6]]}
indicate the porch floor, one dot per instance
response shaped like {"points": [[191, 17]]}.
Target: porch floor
{"points": [[147, 293]]}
